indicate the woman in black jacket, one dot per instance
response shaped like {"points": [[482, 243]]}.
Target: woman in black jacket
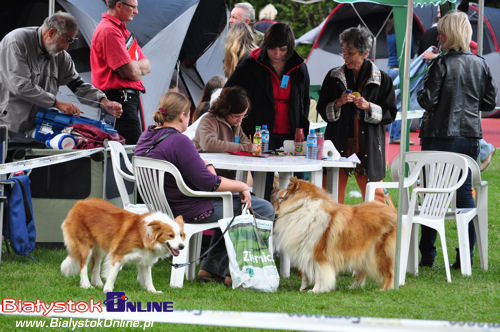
{"points": [[277, 84], [458, 86]]}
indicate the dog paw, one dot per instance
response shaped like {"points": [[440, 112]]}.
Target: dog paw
{"points": [[86, 285], [156, 291], [317, 291], [97, 283], [302, 289], [107, 289]]}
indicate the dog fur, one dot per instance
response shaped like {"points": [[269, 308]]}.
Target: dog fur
{"points": [[95, 228], [323, 237]]}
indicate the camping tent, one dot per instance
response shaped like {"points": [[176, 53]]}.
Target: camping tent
{"points": [[325, 52], [184, 32], [170, 33]]}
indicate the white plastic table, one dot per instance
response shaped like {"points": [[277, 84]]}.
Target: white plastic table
{"points": [[284, 165]]}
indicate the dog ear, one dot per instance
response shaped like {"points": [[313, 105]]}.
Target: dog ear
{"points": [[155, 225], [179, 220], [294, 184]]}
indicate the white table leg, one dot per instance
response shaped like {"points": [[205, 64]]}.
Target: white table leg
{"points": [[332, 182], [284, 259], [317, 178], [259, 184], [284, 179], [284, 265]]}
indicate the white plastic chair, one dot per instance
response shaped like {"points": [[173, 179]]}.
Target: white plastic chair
{"points": [[463, 216], [428, 200], [150, 176], [118, 153]]}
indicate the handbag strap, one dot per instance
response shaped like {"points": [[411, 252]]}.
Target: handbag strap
{"points": [[175, 266], [159, 140]]}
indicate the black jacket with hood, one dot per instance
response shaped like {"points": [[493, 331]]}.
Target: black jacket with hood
{"points": [[254, 75]]}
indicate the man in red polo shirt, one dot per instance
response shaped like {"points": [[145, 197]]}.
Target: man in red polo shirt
{"points": [[118, 64]]}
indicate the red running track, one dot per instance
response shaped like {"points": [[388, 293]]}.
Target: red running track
{"points": [[491, 133]]}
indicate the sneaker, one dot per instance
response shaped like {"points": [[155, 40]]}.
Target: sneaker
{"points": [[398, 141], [487, 160], [205, 276], [228, 282]]}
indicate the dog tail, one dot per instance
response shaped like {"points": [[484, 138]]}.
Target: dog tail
{"points": [[70, 266]]}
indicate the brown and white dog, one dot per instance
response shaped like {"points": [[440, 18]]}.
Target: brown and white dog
{"points": [[323, 237], [95, 228]]}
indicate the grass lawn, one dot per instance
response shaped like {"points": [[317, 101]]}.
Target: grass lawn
{"points": [[427, 296]]}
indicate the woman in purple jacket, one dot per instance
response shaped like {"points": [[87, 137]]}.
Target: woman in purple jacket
{"points": [[172, 117]]}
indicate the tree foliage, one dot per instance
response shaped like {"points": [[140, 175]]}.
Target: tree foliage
{"points": [[304, 17], [301, 17]]}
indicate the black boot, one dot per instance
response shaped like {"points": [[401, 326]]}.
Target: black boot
{"points": [[456, 265]]}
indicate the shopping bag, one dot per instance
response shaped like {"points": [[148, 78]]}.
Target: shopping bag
{"points": [[249, 247]]}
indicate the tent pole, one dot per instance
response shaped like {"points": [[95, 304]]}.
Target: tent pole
{"points": [[399, 12], [52, 7], [480, 22]]}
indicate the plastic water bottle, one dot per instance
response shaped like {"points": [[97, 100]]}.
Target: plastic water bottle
{"points": [[257, 142], [312, 145], [265, 139]]}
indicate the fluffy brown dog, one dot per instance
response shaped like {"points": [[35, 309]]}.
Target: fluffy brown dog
{"points": [[323, 237], [95, 228]]}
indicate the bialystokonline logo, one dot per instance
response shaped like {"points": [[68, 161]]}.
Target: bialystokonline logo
{"points": [[13, 306], [118, 302], [115, 302]]}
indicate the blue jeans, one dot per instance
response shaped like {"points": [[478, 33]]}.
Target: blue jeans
{"points": [[394, 130], [485, 149], [470, 147], [217, 261]]}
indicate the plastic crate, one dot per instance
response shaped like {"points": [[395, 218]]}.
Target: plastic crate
{"points": [[50, 122]]}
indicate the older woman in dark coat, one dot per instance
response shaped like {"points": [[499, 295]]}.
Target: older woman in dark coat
{"points": [[356, 100]]}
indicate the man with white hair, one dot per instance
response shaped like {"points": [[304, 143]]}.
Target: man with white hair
{"points": [[267, 16], [34, 63], [244, 12]]}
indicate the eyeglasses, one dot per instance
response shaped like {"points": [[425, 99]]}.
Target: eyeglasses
{"points": [[129, 5], [348, 54], [71, 40], [238, 116]]}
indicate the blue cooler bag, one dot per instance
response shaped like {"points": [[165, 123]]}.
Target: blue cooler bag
{"points": [[19, 225], [50, 122]]}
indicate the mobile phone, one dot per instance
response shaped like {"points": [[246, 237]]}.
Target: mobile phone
{"points": [[348, 91]]}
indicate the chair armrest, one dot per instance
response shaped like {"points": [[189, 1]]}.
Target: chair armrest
{"points": [[227, 198], [124, 175], [372, 186]]}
